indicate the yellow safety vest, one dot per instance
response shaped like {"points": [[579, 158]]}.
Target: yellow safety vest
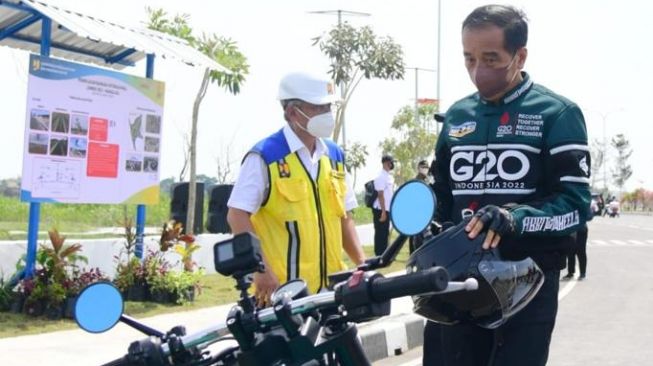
{"points": [[299, 223]]}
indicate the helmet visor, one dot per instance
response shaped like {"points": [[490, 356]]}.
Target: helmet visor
{"points": [[514, 285]]}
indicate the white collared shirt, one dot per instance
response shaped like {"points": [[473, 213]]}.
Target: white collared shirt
{"points": [[253, 184], [384, 182]]}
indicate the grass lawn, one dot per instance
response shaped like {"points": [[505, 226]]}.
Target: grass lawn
{"points": [[217, 290], [78, 221]]}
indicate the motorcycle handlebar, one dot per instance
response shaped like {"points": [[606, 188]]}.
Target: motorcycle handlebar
{"points": [[380, 289], [431, 280]]}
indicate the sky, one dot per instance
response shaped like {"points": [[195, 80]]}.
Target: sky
{"points": [[595, 52]]}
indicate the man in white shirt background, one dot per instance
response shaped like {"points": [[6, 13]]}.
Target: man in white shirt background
{"points": [[384, 184]]}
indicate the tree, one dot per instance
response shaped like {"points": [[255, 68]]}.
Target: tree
{"points": [[224, 162], [639, 199], [622, 170], [166, 185], [208, 181], [355, 158], [357, 53], [410, 141], [10, 187], [220, 49]]}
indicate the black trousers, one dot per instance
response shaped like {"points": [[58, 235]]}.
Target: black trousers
{"points": [[381, 231], [580, 251], [522, 341]]}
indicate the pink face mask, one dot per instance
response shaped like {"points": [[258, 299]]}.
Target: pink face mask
{"points": [[491, 81]]}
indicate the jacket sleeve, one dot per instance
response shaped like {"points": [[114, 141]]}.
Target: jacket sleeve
{"points": [[566, 164], [440, 172]]}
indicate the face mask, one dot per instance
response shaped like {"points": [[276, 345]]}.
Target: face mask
{"points": [[321, 125], [423, 171], [490, 81]]}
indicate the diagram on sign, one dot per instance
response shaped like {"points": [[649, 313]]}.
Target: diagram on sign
{"points": [[56, 178], [135, 125]]}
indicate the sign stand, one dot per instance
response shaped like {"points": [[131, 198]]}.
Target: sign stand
{"points": [[140, 209], [35, 207]]}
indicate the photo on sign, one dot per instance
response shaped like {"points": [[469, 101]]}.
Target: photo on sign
{"points": [[150, 164], [133, 163], [151, 144], [135, 129], [60, 122], [38, 143], [79, 124], [153, 124], [39, 120], [59, 145], [78, 147]]}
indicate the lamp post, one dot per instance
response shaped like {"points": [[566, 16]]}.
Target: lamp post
{"points": [[604, 119], [417, 70], [437, 91], [340, 13]]}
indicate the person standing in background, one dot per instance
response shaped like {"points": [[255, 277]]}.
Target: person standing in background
{"points": [[384, 184]]}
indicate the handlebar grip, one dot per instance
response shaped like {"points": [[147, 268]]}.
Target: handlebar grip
{"points": [[430, 280], [122, 361]]}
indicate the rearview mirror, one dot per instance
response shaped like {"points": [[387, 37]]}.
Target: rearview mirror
{"points": [[98, 307], [412, 207]]}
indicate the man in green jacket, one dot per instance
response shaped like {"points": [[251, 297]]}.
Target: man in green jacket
{"points": [[513, 160]]}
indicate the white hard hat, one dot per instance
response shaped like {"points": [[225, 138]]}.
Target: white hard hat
{"points": [[310, 88]]}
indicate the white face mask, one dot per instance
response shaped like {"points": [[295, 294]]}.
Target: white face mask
{"points": [[321, 125]]}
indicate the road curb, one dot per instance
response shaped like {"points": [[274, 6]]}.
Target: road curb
{"points": [[391, 336]]}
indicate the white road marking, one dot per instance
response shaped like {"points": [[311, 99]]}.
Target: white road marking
{"points": [[618, 242], [566, 289], [600, 243], [636, 242]]}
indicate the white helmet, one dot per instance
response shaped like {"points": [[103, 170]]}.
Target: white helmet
{"points": [[310, 88]]}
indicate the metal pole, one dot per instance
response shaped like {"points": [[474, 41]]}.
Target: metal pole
{"points": [[416, 96], [437, 91], [605, 155], [140, 209], [342, 98], [604, 117], [35, 207]]}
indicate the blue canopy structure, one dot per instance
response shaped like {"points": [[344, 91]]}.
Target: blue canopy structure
{"points": [[40, 27], [82, 38]]}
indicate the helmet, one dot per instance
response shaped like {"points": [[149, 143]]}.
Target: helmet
{"points": [[504, 287], [310, 88]]}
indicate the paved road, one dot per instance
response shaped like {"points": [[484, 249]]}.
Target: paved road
{"points": [[606, 320]]}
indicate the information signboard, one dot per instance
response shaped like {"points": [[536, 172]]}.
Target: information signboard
{"points": [[91, 136]]}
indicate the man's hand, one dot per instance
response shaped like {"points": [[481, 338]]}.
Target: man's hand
{"points": [[498, 221], [265, 283], [384, 216]]}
